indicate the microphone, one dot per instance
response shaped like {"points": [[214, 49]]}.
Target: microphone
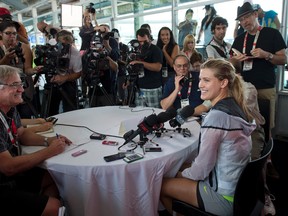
{"points": [[182, 115], [150, 123], [167, 115], [185, 80], [144, 127]]}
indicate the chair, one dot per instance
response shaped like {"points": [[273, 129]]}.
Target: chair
{"points": [[249, 197], [264, 108]]}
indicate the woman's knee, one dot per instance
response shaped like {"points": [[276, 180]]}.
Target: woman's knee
{"points": [[52, 207]]}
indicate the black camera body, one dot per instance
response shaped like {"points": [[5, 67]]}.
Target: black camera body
{"points": [[18, 51], [94, 61], [108, 35], [90, 8], [54, 58], [136, 52]]}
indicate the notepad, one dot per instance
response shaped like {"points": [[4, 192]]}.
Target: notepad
{"points": [[51, 130]]}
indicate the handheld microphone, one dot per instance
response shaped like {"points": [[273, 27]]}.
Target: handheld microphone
{"points": [[182, 115], [185, 80]]}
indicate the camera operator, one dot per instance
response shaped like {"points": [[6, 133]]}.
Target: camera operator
{"points": [[151, 83], [5, 16], [49, 31], [107, 77], [121, 76], [63, 83], [19, 55]]}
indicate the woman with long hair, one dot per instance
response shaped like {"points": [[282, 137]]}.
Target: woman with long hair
{"points": [[224, 148], [169, 47], [206, 22], [189, 47]]}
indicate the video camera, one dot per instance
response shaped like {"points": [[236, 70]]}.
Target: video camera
{"points": [[94, 61], [136, 52], [90, 8], [54, 58]]}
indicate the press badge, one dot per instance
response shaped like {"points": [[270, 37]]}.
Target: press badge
{"points": [[184, 102], [248, 64]]}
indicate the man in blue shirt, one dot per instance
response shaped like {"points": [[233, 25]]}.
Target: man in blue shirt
{"points": [[182, 89]]}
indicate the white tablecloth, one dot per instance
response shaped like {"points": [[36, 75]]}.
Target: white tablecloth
{"points": [[92, 187]]}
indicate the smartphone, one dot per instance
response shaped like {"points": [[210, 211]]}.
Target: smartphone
{"points": [[153, 149], [97, 136], [133, 157], [80, 152], [109, 142], [114, 157], [51, 119], [236, 51]]}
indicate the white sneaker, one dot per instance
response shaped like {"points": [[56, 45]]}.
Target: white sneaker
{"points": [[269, 208]]}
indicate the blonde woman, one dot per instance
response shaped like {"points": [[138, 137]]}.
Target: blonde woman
{"points": [[189, 47], [210, 182]]}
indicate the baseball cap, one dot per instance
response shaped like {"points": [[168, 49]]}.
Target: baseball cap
{"points": [[4, 11]]}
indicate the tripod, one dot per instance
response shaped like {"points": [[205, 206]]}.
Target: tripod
{"points": [[131, 93], [97, 83], [46, 100]]}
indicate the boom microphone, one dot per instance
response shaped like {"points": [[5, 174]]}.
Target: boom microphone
{"points": [[182, 115]]}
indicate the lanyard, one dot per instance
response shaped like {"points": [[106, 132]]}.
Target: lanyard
{"points": [[254, 42], [189, 88], [9, 131]]}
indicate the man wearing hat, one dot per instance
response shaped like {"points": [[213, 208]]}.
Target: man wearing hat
{"points": [[260, 49], [22, 36]]}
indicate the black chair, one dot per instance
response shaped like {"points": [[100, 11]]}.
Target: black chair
{"points": [[264, 108], [249, 197]]}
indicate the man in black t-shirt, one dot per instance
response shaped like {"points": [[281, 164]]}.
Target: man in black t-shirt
{"points": [[259, 49], [150, 82]]}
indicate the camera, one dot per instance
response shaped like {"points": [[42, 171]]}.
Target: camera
{"points": [[94, 61], [136, 52], [90, 8], [18, 51], [54, 58], [108, 35]]}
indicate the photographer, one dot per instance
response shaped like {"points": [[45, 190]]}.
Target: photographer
{"points": [[151, 83], [19, 55], [49, 31], [63, 83], [102, 89], [5, 16]]}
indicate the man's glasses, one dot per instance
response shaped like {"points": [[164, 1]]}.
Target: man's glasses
{"points": [[182, 66], [15, 85], [10, 33]]}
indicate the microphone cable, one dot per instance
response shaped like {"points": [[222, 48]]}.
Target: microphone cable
{"points": [[81, 126]]}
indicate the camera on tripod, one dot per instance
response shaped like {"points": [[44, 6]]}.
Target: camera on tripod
{"points": [[136, 52], [94, 61], [54, 58]]}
